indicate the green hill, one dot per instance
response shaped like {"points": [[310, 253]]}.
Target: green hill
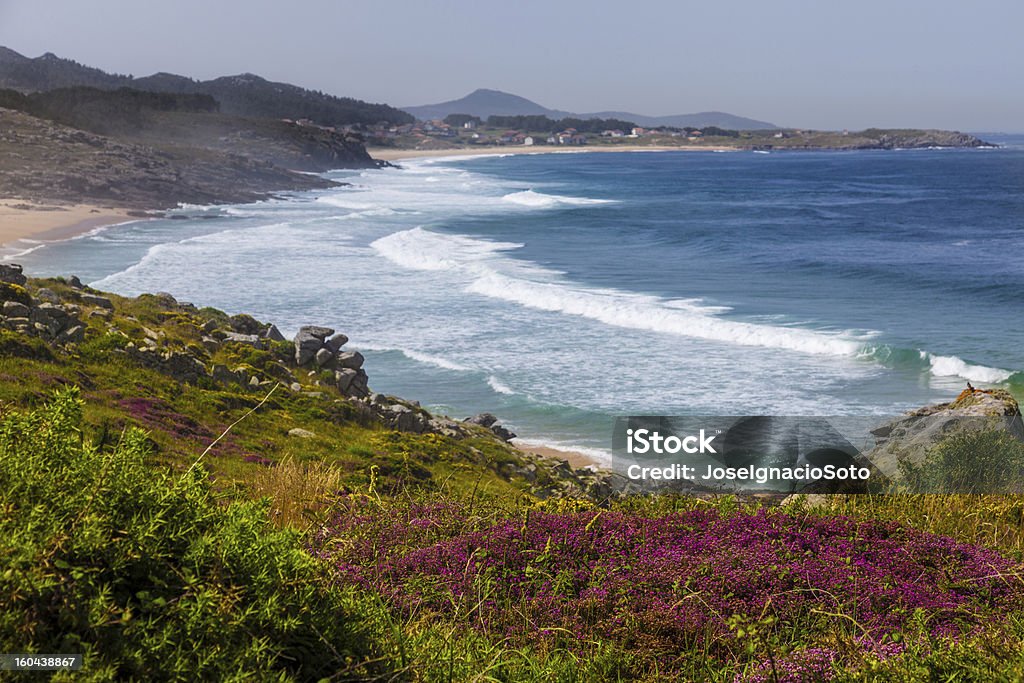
{"points": [[242, 95]]}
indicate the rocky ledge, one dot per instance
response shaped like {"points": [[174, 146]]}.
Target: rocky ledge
{"points": [[907, 440], [56, 321]]}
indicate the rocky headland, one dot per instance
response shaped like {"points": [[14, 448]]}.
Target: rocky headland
{"points": [[208, 353], [47, 162]]}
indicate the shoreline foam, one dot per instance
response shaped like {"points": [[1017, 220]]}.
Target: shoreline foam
{"points": [[576, 459], [391, 154], [33, 223]]}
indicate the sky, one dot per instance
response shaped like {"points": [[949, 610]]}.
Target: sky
{"points": [[797, 63]]}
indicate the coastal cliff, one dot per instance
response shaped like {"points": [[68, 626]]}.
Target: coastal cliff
{"points": [[47, 162], [182, 372], [227, 500], [322, 390]]}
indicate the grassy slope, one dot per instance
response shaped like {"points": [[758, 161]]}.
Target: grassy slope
{"points": [[355, 471], [183, 419]]}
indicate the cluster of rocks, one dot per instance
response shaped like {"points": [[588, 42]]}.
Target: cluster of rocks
{"points": [[42, 315], [554, 478], [489, 421], [244, 329], [317, 350], [320, 347]]}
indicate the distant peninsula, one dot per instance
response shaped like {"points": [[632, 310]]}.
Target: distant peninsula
{"points": [[75, 136]]}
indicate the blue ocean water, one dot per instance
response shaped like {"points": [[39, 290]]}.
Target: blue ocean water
{"points": [[561, 290]]}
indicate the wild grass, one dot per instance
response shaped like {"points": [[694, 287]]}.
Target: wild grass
{"points": [[427, 565], [299, 493], [149, 575]]}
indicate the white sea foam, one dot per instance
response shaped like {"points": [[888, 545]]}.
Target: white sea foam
{"points": [[951, 366], [172, 258], [500, 387], [342, 201], [542, 201], [496, 276], [639, 312], [20, 248], [438, 361], [601, 456], [421, 249], [435, 360]]}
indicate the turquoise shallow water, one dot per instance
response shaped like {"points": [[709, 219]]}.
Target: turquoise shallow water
{"points": [[559, 291]]}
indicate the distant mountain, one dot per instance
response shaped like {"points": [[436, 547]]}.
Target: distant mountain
{"points": [[484, 103], [49, 72], [241, 95]]}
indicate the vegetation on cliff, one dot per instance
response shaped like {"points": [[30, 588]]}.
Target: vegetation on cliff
{"points": [[185, 495], [147, 150], [244, 95]]}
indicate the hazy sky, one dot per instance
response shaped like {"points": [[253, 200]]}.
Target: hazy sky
{"points": [[801, 63]]}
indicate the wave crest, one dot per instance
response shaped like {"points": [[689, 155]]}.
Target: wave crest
{"points": [[543, 201]]}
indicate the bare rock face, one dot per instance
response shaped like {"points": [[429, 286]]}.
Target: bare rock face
{"points": [[490, 422], [909, 438], [350, 359], [308, 341], [11, 273]]}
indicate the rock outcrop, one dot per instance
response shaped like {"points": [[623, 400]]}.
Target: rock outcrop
{"points": [[21, 312], [908, 439], [241, 354], [315, 345], [489, 421]]}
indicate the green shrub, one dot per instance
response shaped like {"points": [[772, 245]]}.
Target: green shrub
{"points": [[98, 348], [22, 346], [149, 575], [971, 461]]}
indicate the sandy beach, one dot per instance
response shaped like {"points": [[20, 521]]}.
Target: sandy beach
{"points": [[391, 154], [20, 220], [576, 459]]}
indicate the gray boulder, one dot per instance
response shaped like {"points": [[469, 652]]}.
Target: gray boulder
{"points": [[323, 357], [360, 385], [351, 359], [247, 339], [317, 331], [72, 335], [14, 309], [99, 301], [11, 272], [273, 334], [503, 433], [45, 294], [344, 378], [52, 310], [308, 341], [483, 419], [336, 342]]}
